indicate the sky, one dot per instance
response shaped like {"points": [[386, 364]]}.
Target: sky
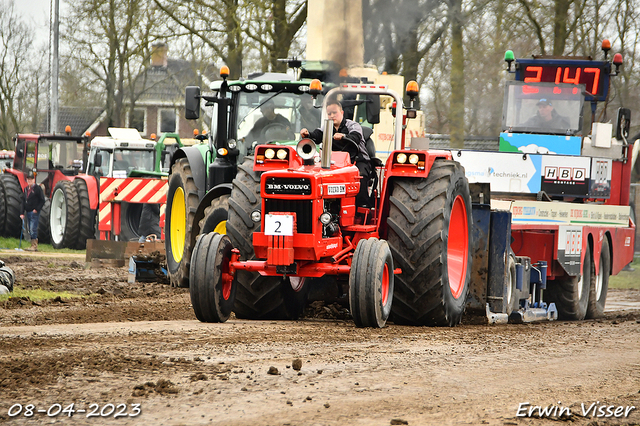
{"points": [[35, 13]]}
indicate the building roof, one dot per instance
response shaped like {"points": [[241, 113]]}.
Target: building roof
{"points": [[79, 118], [166, 84]]}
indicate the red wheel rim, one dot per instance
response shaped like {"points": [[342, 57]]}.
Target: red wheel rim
{"points": [[385, 285], [227, 279], [457, 247]]}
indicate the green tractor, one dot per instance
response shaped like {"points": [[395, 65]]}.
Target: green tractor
{"points": [[202, 176]]}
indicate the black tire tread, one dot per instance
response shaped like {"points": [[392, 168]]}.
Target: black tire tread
{"points": [[417, 239], [205, 225], [563, 292], [179, 274], [257, 297], [87, 216], [44, 226], [13, 203], [71, 231]]}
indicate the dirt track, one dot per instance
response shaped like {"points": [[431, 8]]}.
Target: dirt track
{"points": [[140, 344]]}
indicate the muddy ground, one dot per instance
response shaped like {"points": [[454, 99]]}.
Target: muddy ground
{"points": [[139, 347]]}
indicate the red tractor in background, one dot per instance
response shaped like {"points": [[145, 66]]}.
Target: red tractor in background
{"points": [[57, 161], [293, 223]]}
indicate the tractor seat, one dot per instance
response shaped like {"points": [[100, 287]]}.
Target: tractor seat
{"points": [[371, 147]]}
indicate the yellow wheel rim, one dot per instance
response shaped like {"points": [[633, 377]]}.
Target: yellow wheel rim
{"points": [[178, 225], [221, 228]]}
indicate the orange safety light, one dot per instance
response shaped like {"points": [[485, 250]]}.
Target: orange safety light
{"points": [[87, 134], [68, 129], [153, 136], [343, 72], [617, 59], [196, 132], [412, 89], [204, 132], [315, 87], [606, 44], [224, 71]]}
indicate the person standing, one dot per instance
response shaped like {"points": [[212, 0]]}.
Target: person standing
{"points": [[32, 203]]}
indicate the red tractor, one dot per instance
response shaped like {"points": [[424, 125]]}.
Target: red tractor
{"points": [[293, 223], [57, 161]]}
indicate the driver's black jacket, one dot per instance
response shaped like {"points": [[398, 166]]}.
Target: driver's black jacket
{"points": [[263, 122], [353, 141]]}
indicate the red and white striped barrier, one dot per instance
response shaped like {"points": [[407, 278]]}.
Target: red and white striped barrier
{"points": [[130, 190]]}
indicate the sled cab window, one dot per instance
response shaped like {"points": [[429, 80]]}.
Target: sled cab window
{"points": [[543, 108], [133, 159]]}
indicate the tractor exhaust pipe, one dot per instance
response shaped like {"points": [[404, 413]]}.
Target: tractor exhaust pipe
{"points": [[327, 141]]}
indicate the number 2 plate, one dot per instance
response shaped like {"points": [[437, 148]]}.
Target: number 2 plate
{"points": [[278, 224]]}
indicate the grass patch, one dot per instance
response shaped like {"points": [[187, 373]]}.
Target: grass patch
{"points": [[38, 294], [14, 243], [627, 279]]}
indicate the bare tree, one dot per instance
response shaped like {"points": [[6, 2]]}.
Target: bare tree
{"points": [[108, 39], [16, 49]]}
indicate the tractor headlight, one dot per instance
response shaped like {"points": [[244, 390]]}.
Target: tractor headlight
{"points": [[282, 154], [269, 154], [413, 159], [401, 158], [232, 143], [256, 216], [325, 218]]}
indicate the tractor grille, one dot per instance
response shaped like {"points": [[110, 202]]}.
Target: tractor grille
{"points": [[302, 209]]}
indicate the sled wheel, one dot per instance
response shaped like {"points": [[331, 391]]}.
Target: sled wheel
{"points": [[571, 294], [182, 203], [65, 215], [599, 283], [211, 287], [429, 236], [371, 283]]}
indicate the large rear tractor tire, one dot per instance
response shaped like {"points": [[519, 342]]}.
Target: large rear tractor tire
{"points": [[257, 297], [87, 216], [211, 287], [65, 215], [182, 203], [571, 294], [13, 202], [371, 283], [215, 216], [429, 237], [599, 283], [44, 225]]}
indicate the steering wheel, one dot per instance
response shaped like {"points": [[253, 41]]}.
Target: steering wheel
{"points": [[276, 132]]}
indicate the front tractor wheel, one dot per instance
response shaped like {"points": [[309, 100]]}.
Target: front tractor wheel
{"points": [[429, 236], [182, 203], [65, 215], [258, 297], [371, 283], [212, 288], [215, 216]]}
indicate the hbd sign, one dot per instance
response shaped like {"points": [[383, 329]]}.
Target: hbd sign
{"points": [[568, 176]]}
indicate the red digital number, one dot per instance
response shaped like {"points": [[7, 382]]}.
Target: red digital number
{"points": [[596, 79], [569, 80], [537, 78]]}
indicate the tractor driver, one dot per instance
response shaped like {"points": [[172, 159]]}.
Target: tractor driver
{"points": [[547, 117], [271, 126], [347, 137]]}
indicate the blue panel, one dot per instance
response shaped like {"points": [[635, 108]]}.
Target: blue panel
{"points": [[540, 144]]}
